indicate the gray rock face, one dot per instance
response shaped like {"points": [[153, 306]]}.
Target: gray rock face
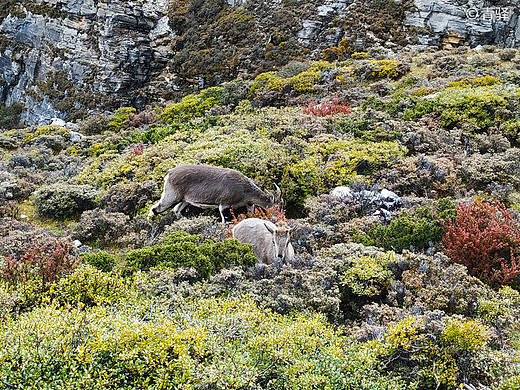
{"points": [[106, 50], [478, 22], [318, 28]]}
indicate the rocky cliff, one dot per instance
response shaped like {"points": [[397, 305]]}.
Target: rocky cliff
{"points": [[66, 58]]}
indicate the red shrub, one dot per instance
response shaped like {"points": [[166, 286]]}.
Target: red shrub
{"points": [[138, 149], [45, 263], [273, 214], [327, 108], [485, 238]]}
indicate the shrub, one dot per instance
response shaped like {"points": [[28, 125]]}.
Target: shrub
{"points": [[481, 170], [485, 237], [447, 358], [47, 130], [234, 92], [507, 54], [324, 109], [482, 107], [191, 106], [436, 283], [418, 230], [304, 82], [211, 343], [120, 119], [31, 273], [293, 68], [102, 260], [369, 276], [89, 286], [61, 201], [464, 336], [184, 250], [331, 162], [95, 124], [501, 312], [100, 225], [128, 198], [10, 116]]}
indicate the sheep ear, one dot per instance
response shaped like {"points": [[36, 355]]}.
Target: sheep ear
{"points": [[271, 230]]}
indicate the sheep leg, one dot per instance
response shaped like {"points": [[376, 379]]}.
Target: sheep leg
{"points": [[179, 207], [221, 209]]}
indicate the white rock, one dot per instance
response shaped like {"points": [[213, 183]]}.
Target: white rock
{"points": [[57, 122], [342, 192], [75, 136]]}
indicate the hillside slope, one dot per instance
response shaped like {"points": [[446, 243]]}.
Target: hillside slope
{"points": [[420, 293]]}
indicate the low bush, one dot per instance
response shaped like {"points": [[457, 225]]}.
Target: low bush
{"points": [[31, 273], [88, 286], [368, 276], [305, 82], [485, 237], [184, 250], [101, 260], [436, 358], [481, 107], [191, 106], [418, 230], [100, 225], [120, 119], [61, 201], [333, 107], [47, 130], [331, 162], [234, 92], [128, 198], [435, 283], [211, 343]]}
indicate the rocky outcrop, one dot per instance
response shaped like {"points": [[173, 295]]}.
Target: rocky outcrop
{"points": [[65, 58], [90, 55], [477, 22]]}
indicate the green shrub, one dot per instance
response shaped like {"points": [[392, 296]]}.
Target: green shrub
{"points": [[333, 162], [234, 92], [305, 82], [89, 286], [47, 130], [60, 201], [415, 230], [102, 260], [184, 250], [210, 343], [447, 359], [464, 336], [120, 118], [369, 276], [191, 106], [10, 116], [482, 106], [219, 146], [128, 198]]}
